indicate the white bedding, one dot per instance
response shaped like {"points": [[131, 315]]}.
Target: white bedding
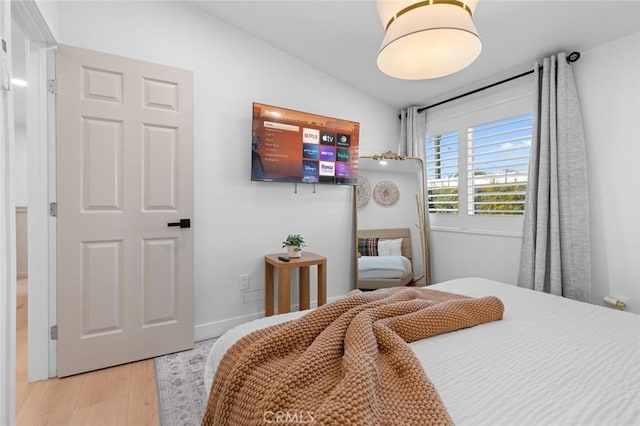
{"points": [[550, 361], [383, 267]]}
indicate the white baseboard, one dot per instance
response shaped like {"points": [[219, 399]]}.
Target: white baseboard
{"points": [[218, 328]]}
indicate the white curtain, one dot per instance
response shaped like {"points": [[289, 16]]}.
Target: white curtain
{"points": [[413, 129], [555, 254]]}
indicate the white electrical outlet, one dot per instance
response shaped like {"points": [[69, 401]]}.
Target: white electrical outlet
{"points": [[244, 282]]}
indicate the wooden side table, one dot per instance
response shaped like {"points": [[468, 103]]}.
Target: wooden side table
{"points": [[272, 263]]}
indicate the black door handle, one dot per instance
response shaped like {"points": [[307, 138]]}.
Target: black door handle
{"points": [[184, 223]]}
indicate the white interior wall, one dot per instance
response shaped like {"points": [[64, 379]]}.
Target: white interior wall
{"points": [[467, 253], [608, 80], [20, 154], [236, 221], [21, 242], [20, 166], [18, 44], [18, 54]]}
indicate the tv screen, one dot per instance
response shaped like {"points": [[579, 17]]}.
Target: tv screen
{"points": [[296, 146]]}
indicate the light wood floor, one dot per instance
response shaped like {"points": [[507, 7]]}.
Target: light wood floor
{"points": [[118, 396]]}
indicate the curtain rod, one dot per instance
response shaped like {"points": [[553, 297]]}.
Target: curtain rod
{"points": [[571, 57]]}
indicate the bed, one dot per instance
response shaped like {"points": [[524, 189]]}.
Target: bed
{"points": [[386, 270], [549, 361]]}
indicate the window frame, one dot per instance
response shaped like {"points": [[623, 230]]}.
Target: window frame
{"points": [[521, 130], [511, 99]]}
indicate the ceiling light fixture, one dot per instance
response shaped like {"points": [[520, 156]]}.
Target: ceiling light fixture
{"points": [[427, 39], [19, 82]]}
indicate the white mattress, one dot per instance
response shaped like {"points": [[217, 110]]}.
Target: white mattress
{"points": [[383, 267], [550, 361]]}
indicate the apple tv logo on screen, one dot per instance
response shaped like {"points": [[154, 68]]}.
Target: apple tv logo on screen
{"points": [[327, 138]]}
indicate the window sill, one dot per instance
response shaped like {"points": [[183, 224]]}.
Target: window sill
{"points": [[476, 231]]}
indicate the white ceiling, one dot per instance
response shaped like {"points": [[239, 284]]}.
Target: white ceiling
{"points": [[342, 38]]}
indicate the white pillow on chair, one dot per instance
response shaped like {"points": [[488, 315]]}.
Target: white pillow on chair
{"points": [[390, 247]]}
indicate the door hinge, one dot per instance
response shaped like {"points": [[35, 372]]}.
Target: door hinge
{"points": [[53, 209], [52, 86], [54, 332]]}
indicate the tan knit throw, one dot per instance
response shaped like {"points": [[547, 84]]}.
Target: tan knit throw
{"points": [[345, 363]]}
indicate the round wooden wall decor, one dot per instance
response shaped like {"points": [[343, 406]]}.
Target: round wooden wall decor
{"points": [[364, 192], [386, 194]]}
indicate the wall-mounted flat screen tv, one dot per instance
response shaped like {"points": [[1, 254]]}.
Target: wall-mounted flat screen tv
{"points": [[296, 146]]}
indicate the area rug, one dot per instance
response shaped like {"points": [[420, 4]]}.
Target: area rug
{"points": [[181, 391]]}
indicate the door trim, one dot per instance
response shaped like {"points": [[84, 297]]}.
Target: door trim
{"points": [[28, 17], [7, 241], [40, 284], [40, 146]]}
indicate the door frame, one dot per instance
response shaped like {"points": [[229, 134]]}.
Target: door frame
{"points": [[41, 242], [7, 240]]}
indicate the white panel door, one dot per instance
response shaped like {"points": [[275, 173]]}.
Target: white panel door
{"points": [[124, 161]]}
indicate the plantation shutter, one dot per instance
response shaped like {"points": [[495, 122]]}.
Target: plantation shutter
{"points": [[497, 166], [442, 172]]}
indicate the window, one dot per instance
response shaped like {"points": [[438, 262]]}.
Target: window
{"points": [[498, 164], [442, 173], [477, 160]]}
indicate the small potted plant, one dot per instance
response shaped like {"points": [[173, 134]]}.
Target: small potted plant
{"points": [[294, 244]]}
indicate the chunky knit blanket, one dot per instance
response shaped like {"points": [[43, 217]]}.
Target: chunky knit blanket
{"points": [[345, 363]]}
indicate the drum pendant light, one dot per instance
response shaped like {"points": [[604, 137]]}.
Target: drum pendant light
{"points": [[427, 39]]}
